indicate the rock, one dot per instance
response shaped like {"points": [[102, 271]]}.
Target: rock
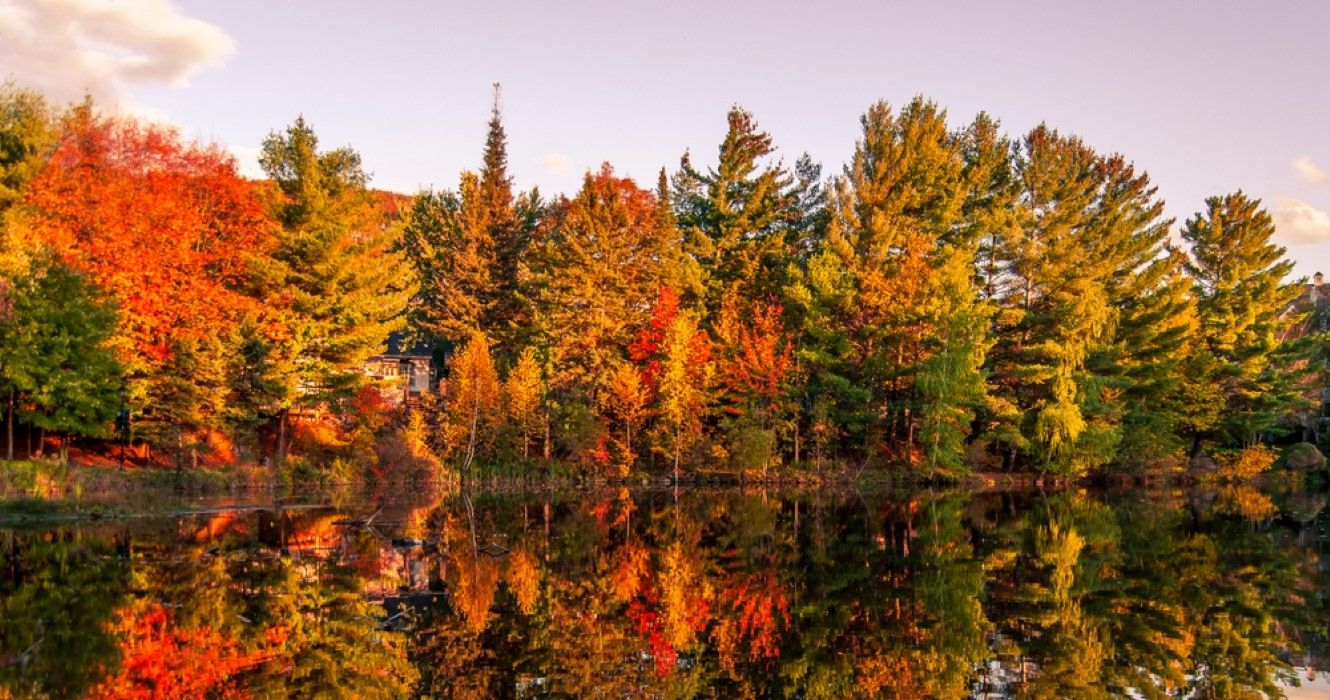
{"points": [[1303, 456]]}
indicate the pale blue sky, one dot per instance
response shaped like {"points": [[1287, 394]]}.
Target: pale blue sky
{"points": [[1207, 96]]}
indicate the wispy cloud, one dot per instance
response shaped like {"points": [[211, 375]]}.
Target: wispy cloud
{"points": [[1310, 172], [1299, 222], [556, 163], [105, 47]]}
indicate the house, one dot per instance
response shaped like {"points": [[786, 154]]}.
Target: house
{"points": [[403, 370]]}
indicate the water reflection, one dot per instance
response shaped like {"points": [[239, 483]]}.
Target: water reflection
{"points": [[718, 594]]}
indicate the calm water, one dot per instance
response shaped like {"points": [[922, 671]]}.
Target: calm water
{"points": [[620, 594]]}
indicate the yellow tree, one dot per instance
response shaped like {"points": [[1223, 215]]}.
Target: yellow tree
{"points": [[685, 375], [627, 397], [524, 394], [473, 396]]}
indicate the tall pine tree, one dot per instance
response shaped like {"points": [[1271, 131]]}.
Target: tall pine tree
{"points": [[738, 217], [1242, 297], [335, 287]]}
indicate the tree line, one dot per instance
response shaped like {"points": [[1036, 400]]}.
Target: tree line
{"points": [[955, 298]]}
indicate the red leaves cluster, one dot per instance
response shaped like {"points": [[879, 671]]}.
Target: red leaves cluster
{"points": [[645, 348], [163, 225], [762, 609], [760, 364], [159, 660], [650, 626]]}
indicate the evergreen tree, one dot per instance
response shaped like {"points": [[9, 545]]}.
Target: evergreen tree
{"points": [[894, 278], [470, 251], [509, 223], [341, 287], [738, 217], [445, 238], [1054, 310], [57, 371], [1242, 298]]}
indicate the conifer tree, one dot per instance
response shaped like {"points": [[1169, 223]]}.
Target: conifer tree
{"points": [[470, 251], [344, 288], [895, 279], [445, 238], [509, 223], [1055, 311], [1242, 297], [737, 217]]}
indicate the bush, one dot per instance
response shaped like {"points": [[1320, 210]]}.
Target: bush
{"points": [[752, 448], [1244, 465], [1303, 456]]}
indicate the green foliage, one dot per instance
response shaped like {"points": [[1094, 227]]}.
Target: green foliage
{"points": [[953, 298], [340, 288], [1240, 282], [56, 370], [741, 218]]}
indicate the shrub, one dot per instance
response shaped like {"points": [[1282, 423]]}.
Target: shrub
{"points": [[1245, 465], [1303, 456]]}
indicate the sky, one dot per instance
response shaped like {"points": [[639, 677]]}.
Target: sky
{"points": [[1206, 96]]}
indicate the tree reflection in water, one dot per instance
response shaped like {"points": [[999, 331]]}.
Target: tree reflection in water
{"points": [[649, 594]]}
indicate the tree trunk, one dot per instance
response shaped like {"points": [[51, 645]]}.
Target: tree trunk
{"points": [[281, 436], [9, 453], [677, 438], [796, 439], [471, 441]]}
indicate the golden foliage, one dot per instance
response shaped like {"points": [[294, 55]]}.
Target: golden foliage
{"points": [[524, 580], [1246, 464]]}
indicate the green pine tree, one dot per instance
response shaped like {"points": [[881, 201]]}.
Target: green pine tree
{"points": [[739, 217], [56, 370], [340, 287], [1242, 297], [445, 239], [894, 279]]}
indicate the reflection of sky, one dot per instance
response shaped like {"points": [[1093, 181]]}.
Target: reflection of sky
{"points": [[1319, 688], [1208, 97]]}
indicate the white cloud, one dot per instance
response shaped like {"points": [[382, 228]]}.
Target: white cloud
{"points": [[1299, 222], [65, 48], [556, 163], [1310, 172]]}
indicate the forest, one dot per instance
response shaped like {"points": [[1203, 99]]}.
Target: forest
{"points": [[953, 300]]}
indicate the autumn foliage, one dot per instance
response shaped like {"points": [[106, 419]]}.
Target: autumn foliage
{"points": [[160, 660], [165, 226]]}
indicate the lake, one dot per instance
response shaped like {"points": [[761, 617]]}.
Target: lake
{"points": [[726, 593]]}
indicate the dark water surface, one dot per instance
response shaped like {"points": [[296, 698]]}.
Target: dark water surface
{"points": [[619, 594]]}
